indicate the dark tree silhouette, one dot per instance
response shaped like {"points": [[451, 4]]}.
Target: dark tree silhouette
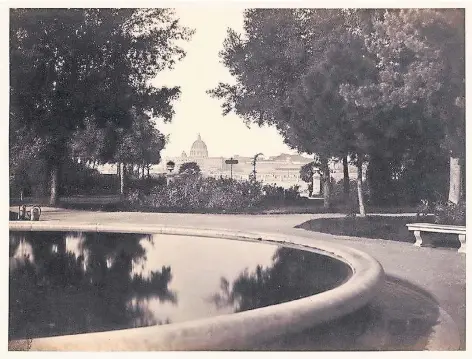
{"points": [[294, 274], [191, 168], [73, 65], [58, 292]]}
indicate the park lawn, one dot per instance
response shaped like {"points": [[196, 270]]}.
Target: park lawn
{"points": [[392, 228]]}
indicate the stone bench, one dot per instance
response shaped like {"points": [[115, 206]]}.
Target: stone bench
{"points": [[417, 228]]}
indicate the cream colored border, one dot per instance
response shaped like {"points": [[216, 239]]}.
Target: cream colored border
{"points": [[4, 4]]}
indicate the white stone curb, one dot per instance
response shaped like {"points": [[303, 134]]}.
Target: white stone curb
{"points": [[233, 331]]}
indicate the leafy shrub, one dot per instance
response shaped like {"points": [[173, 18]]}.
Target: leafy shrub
{"points": [[190, 168], [190, 193], [274, 194], [31, 179], [79, 179], [423, 209], [406, 179], [75, 179], [292, 194], [144, 185], [337, 194], [449, 213]]}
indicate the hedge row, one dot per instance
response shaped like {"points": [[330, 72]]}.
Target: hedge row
{"points": [[193, 192]]}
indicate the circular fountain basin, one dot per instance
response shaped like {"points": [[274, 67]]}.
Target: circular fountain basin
{"points": [[236, 329]]}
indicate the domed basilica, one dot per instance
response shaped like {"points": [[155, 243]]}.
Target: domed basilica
{"points": [[199, 149], [283, 170]]}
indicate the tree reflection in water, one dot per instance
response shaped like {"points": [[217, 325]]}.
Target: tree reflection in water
{"points": [[54, 291], [294, 274]]}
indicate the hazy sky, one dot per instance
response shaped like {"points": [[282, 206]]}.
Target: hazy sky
{"points": [[197, 112]]}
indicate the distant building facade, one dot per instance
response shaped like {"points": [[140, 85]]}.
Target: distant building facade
{"points": [[282, 170]]}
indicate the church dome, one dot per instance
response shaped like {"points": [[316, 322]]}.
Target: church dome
{"points": [[199, 149]]}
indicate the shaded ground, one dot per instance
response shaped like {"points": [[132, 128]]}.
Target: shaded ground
{"points": [[401, 317], [392, 228]]}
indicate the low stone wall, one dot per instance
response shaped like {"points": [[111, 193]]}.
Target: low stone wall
{"points": [[233, 331]]}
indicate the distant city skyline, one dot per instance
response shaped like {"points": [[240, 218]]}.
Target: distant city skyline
{"points": [[196, 112], [167, 154]]}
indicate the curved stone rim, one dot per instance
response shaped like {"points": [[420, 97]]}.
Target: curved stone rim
{"points": [[231, 331]]}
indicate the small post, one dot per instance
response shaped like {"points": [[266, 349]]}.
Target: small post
{"points": [[170, 167], [231, 162]]}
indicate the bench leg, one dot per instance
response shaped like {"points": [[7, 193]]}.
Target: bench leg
{"points": [[420, 242], [462, 240]]}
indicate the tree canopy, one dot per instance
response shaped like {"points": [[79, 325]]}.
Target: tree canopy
{"points": [[190, 168], [288, 68], [73, 68], [420, 62], [357, 83]]}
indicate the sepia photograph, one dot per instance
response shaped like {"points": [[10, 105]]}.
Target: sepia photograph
{"points": [[247, 177]]}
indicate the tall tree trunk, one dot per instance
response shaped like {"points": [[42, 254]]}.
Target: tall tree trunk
{"points": [[122, 178], [148, 168], [320, 184], [118, 171], [360, 189], [346, 183], [54, 173], [325, 176], [454, 180]]}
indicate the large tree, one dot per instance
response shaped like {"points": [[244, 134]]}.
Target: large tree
{"points": [[288, 67], [190, 168], [70, 66], [419, 56], [138, 146]]}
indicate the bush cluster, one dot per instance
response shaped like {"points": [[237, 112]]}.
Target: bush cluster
{"points": [[444, 212], [144, 185], [194, 192], [338, 197], [78, 179], [449, 213], [273, 194], [75, 179]]}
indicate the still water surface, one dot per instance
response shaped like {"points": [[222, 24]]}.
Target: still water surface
{"points": [[67, 283]]}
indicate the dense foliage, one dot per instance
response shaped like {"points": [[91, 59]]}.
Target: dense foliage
{"points": [[449, 213], [79, 82], [379, 86], [98, 286], [292, 275], [196, 193], [190, 168]]}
